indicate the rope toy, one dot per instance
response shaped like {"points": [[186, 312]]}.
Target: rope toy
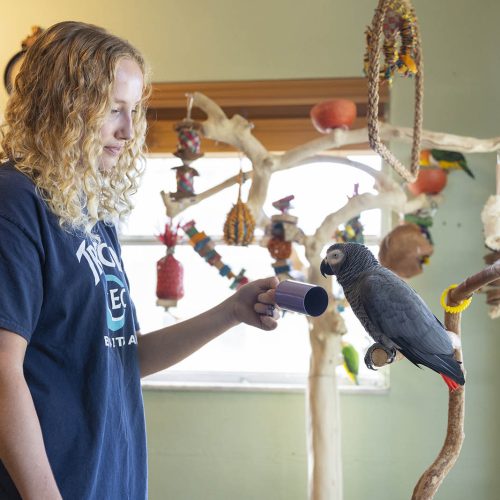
{"points": [[454, 309], [394, 19]]}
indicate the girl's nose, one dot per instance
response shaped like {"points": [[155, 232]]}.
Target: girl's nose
{"points": [[126, 131]]}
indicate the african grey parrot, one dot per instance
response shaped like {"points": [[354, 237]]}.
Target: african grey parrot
{"points": [[392, 312]]}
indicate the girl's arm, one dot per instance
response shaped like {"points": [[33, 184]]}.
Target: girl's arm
{"points": [[251, 304], [22, 449]]}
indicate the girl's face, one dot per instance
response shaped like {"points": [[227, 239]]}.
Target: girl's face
{"points": [[118, 126]]}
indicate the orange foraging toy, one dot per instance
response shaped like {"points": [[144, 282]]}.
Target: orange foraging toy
{"points": [[333, 113], [429, 181]]}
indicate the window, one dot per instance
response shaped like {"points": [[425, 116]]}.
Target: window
{"points": [[244, 357]]}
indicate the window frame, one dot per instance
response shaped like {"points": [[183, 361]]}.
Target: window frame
{"points": [[279, 110], [242, 380]]}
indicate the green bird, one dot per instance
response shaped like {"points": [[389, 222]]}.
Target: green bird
{"points": [[351, 361], [445, 160]]}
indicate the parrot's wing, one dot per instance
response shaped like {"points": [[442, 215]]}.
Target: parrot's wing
{"points": [[398, 312]]}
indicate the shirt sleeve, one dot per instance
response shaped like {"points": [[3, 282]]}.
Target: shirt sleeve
{"points": [[21, 279]]}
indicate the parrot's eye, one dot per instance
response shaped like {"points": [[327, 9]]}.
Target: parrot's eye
{"points": [[335, 257]]}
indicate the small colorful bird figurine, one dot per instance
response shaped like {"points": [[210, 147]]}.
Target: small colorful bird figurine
{"points": [[445, 160], [351, 361]]}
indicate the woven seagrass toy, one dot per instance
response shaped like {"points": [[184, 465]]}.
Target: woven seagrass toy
{"points": [[240, 223]]}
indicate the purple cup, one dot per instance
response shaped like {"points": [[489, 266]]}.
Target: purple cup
{"points": [[301, 297]]}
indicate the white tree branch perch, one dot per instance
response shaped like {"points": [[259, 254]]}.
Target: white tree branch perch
{"points": [[324, 431]]}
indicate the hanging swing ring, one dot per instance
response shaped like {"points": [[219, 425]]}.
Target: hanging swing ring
{"points": [[374, 49]]}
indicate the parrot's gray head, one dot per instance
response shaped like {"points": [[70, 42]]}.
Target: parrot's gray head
{"points": [[347, 257]]}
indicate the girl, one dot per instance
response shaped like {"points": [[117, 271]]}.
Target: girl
{"points": [[71, 354]]}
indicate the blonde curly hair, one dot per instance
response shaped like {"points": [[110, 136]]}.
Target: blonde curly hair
{"points": [[53, 120]]}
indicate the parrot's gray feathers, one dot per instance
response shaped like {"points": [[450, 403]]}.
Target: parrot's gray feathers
{"points": [[445, 364], [395, 309]]}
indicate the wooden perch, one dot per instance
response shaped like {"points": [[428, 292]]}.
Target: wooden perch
{"points": [[340, 137], [175, 207], [432, 478], [440, 140]]}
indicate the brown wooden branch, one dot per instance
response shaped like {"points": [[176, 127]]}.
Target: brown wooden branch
{"points": [[474, 283], [432, 478]]}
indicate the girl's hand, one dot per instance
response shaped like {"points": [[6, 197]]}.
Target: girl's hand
{"points": [[255, 304]]}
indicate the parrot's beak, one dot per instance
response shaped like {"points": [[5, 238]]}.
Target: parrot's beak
{"points": [[325, 268]]}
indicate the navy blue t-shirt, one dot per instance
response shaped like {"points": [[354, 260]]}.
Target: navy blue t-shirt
{"points": [[68, 296]]}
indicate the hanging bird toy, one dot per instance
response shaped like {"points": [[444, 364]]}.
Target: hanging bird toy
{"points": [[353, 228], [184, 176], [188, 150], [492, 290], [352, 232], [394, 31], [424, 219], [240, 224], [205, 247], [491, 229], [280, 234], [189, 142], [399, 45], [405, 250], [391, 312], [169, 271]]}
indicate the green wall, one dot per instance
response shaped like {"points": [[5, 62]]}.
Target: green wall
{"points": [[247, 446]]}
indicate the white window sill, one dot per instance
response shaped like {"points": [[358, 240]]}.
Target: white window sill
{"points": [[254, 382]]}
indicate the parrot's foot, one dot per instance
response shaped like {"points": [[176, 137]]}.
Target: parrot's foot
{"points": [[379, 355]]}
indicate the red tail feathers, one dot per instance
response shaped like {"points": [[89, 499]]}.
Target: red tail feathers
{"points": [[453, 386]]}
